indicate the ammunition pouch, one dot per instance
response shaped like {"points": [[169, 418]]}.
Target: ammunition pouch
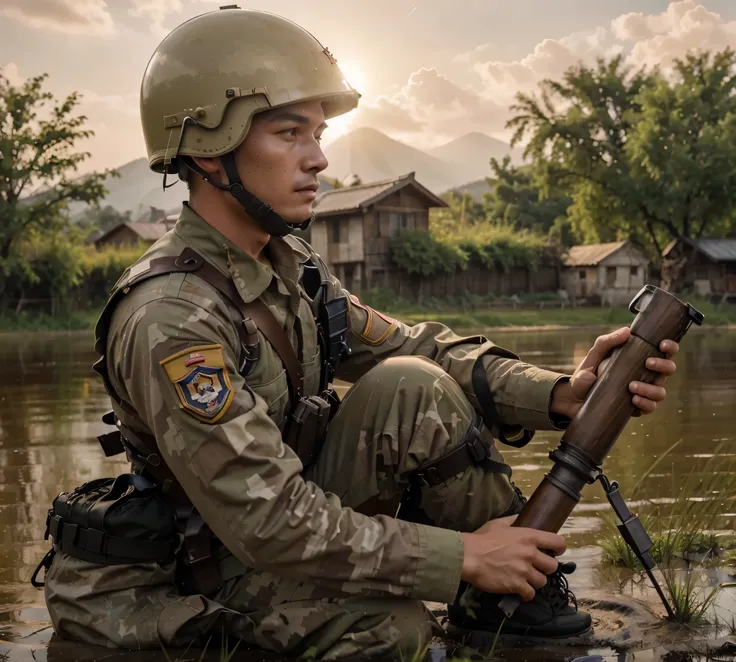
{"points": [[112, 521], [308, 422]]}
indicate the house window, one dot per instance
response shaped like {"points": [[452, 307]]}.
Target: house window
{"points": [[336, 231], [394, 224], [611, 276], [582, 274], [383, 224], [634, 272]]}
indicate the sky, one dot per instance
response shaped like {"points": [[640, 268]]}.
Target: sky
{"points": [[429, 71]]}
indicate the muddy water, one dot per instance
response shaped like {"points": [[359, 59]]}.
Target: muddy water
{"points": [[51, 403]]}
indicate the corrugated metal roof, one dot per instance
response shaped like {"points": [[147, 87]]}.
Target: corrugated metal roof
{"points": [[592, 254], [720, 250], [353, 197]]}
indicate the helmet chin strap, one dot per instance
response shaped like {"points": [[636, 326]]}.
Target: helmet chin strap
{"points": [[260, 211]]}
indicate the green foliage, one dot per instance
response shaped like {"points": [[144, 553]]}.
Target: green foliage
{"points": [[519, 202], [462, 212], [503, 247], [38, 172], [640, 155], [689, 599], [418, 252]]}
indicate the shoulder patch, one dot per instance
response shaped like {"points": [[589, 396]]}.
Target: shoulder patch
{"points": [[201, 381], [377, 328]]}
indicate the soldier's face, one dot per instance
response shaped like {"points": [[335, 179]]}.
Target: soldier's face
{"points": [[281, 157]]}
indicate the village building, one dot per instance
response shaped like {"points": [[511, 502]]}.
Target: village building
{"points": [[710, 267], [132, 234], [355, 224], [612, 272]]}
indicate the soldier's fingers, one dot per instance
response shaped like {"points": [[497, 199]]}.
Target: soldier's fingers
{"points": [[537, 579], [664, 366], [646, 406], [669, 347], [552, 541], [648, 391], [525, 591], [544, 563], [603, 346]]}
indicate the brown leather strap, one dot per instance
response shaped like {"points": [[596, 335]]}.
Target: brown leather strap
{"points": [[192, 262], [471, 451]]}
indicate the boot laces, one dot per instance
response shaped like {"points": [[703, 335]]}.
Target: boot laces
{"points": [[557, 590]]}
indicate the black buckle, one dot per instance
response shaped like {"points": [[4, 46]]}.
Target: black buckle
{"points": [[473, 450], [430, 476], [48, 523], [55, 526]]}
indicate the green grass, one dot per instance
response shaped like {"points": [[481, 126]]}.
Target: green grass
{"points": [[682, 533], [683, 529], [457, 313], [509, 318], [76, 321], [474, 312], [690, 600]]}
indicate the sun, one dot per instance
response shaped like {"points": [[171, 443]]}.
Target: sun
{"points": [[339, 126], [353, 75]]}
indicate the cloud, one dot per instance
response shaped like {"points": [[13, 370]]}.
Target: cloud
{"points": [[683, 27], [11, 73], [70, 16], [126, 104], [155, 11], [432, 103]]}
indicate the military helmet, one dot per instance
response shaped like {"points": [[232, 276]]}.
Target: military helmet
{"points": [[210, 75]]}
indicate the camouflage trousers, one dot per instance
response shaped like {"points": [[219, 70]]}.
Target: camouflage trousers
{"points": [[401, 413]]}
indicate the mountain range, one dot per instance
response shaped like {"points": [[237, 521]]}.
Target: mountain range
{"points": [[365, 152]]}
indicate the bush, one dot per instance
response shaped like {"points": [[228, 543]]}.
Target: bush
{"points": [[420, 252]]}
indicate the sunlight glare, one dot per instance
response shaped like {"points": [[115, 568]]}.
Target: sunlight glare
{"points": [[339, 126]]}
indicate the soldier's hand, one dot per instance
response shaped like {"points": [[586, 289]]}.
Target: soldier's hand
{"points": [[500, 558], [568, 397]]}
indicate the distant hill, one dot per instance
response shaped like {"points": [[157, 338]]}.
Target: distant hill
{"points": [[374, 156], [470, 155], [367, 153], [138, 189]]}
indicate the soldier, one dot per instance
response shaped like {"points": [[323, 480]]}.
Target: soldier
{"points": [[217, 348]]}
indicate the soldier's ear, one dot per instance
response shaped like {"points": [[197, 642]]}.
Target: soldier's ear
{"points": [[210, 165]]}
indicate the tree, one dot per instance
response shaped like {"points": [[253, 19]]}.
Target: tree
{"points": [[462, 212], [37, 167], [643, 156], [517, 200]]}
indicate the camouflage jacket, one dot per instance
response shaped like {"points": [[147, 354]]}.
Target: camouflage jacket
{"points": [[221, 437]]}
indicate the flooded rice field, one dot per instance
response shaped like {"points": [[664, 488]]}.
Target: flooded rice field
{"points": [[50, 408]]}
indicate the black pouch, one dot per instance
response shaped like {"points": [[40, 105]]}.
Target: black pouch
{"points": [[112, 521]]}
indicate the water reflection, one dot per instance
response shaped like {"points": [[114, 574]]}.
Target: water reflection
{"points": [[51, 403]]}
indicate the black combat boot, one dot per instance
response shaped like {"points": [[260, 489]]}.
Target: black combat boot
{"points": [[552, 614]]}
